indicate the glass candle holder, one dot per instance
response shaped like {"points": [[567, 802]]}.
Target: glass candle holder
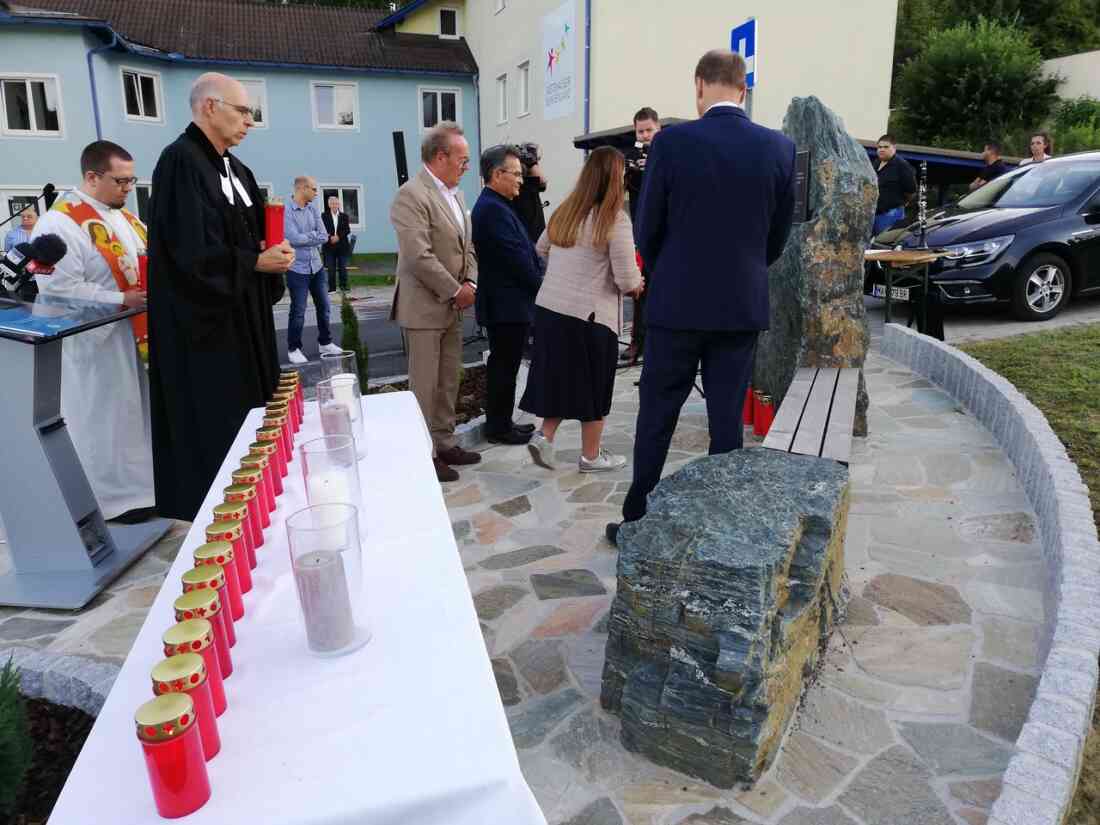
{"points": [[219, 553], [170, 739], [342, 390], [197, 636], [229, 525], [269, 450], [236, 493], [205, 604], [327, 561], [340, 363], [274, 435], [212, 577], [186, 673], [255, 477], [330, 471]]}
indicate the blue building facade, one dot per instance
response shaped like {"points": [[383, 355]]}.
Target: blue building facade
{"points": [[333, 123]]}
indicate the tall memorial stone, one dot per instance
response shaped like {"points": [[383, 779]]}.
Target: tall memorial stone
{"points": [[817, 312], [727, 591]]}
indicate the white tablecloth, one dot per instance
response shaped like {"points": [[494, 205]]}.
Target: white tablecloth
{"points": [[408, 730]]}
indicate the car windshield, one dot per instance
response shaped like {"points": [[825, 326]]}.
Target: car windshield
{"points": [[1043, 184]]}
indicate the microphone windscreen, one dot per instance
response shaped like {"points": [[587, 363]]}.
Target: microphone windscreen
{"points": [[48, 189], [48, 249]]}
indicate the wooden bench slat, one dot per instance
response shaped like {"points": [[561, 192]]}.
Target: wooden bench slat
{"points": [[844, 402], [811, 432], [838, 446], [781, 433]]}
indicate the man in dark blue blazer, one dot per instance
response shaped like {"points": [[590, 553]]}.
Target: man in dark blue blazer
{"points": [[509, 277], [715, 213]]}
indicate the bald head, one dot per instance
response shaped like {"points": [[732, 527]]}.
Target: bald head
{"points": [[221, 109]]}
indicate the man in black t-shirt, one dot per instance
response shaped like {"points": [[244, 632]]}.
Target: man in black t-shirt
{"points": [[896, 185], [994, 166], [646, 126]]}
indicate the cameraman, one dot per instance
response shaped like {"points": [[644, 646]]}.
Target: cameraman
{"points": [[528, 203], [646, 126]]}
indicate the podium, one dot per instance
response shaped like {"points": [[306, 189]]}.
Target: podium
{"points": [[63, 552]]}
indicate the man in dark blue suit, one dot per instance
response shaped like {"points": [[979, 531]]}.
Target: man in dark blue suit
{"points": [[715, 213], [509, 277]]}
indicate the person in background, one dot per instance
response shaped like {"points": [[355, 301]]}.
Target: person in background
{"points": [[896, 185], [994, 166], [509, 277], [589, 252], [304, 229], [337, 248], [1040, 148], [646, 126], [528, 203], [22, 233]]}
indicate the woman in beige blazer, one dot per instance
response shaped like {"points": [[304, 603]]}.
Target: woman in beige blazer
{"points": [[588, 247]]}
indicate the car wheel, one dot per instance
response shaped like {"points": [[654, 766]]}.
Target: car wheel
{"points": [[1042, 287]]}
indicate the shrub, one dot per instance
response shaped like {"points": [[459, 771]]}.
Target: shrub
{"points": [[350, 341], [16, 747]]}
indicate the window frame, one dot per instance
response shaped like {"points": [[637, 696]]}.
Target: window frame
{"points": [[158, 91], [523, 89], [267, 188], [142, 184], [335, 127], [502, 99], [29, 77], [438, 91], [266, 101], [340, 187], [458, 31]]}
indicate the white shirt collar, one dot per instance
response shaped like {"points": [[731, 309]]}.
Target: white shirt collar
{"points": [[444, 188], [723, 103], [99, 205]]}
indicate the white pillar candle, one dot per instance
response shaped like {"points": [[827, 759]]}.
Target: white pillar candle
{"points": [[326, 605], [329, 487], [343, 390]]}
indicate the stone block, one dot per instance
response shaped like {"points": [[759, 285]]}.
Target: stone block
{"points": [[1069, 683], [1040, 778], [727, 590], [1017, 807], [1054, 745], [1059, 712]]}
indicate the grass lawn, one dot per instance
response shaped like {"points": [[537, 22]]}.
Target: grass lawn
{"points": [[372, 269], [1059, 372]]}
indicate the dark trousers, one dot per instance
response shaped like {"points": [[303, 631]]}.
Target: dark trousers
{"points": [[637, 335], [506, 343], [300, 286], [337, 265], [672, 358]]}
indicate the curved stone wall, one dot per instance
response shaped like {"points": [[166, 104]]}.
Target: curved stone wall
{"points": [[1042, 775]]}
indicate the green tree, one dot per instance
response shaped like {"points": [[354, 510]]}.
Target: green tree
{"points": [[1056, 27], [972, 83], [917, 20], [350, 341], [1076, 125]]}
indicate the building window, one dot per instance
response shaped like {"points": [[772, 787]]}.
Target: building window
{"points": [[17, 202], [31, 106], [335, 105], [350, 198], [143, 192], [257, 99], [448, 23], [141, 94], [502, 99], [524, 89], [437, 105], [267, 190]]}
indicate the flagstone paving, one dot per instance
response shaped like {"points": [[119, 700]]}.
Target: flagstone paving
{"points": [[923, 688]]}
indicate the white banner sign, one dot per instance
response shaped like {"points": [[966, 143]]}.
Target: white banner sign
{"points": [[559, 55]]}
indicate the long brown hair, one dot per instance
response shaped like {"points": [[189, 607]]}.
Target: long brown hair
{"points": [[599, 190]]}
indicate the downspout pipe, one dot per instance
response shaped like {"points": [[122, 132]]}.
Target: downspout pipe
{"points": [[91, 79], [587, 66]]}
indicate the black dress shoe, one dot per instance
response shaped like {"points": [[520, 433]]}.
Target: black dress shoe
{"points": [[513, 436], [612, 533], [526, 429]]}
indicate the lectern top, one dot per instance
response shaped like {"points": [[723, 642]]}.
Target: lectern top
{"points": [[50, 317]]}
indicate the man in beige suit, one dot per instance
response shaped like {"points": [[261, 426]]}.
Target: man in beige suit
{"points": [[436, 280]]}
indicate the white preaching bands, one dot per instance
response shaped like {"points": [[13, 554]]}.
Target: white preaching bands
{"points": [[230, 182]]}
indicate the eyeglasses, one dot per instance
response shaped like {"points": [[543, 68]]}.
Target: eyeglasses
{"points": [[246, 111], [119, 181], [516, 173]]}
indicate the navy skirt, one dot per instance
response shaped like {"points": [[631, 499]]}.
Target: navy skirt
{"points": [[572, 373]]}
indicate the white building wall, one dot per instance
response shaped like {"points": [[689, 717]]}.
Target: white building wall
{"points": [[1081, 73]]}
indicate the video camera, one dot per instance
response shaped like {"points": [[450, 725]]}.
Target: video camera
{"points": [[23, 261], [528, 155], [636, 159]]}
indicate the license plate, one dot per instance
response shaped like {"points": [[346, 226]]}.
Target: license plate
{"points": [[898, 293]]}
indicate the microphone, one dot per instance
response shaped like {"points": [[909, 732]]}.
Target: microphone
{"points": [[49, 194], [25, 260]]}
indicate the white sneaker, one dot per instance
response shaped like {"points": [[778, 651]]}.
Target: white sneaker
{"points": [[296, 356], [605, 462], [541, 450], [330, 349]]}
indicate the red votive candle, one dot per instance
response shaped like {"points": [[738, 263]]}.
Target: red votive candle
{"points": [[262, 465], [143, 272], [269, 450], [170, 738], [186, 673], [280, 406], [757, 413], [283, 423], [747, 411], [205, 604], [767, 414], [274, 214], [197, 636], [293, 381], [229, 523], [255, 477], [274, 436], [235, 493], [212, 578], [291, 400], [219, 553]]}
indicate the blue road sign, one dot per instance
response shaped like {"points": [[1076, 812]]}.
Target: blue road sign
{"points": [[743, 41]]}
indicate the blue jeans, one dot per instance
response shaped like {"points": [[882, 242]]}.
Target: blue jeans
{"points": [[887, 219], [299, 285]]}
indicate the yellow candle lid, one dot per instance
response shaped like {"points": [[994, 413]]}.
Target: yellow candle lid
{"points": [[240, 492], [214, 552], [179, 673], [190, 636], [210, 576], [229, 511], [165, 717], [197, 604]]}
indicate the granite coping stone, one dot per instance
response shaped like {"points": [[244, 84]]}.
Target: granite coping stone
{"points": [[74, 681], [1041, 775]]}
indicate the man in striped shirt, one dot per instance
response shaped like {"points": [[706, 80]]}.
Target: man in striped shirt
{"points": [[22, 233]]}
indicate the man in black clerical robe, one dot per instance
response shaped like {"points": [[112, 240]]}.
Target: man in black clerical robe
{"points": [[212, 354]]}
